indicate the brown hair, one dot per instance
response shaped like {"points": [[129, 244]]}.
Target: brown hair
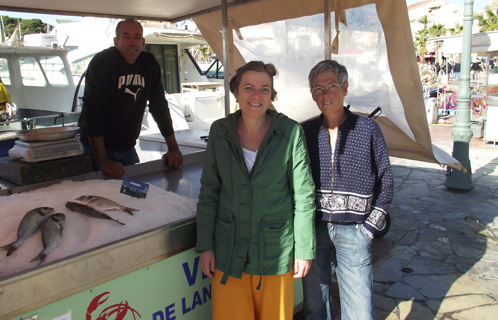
{"points": [[258, 66]]}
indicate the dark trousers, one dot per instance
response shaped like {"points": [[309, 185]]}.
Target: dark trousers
{"points": [[125, 157]]}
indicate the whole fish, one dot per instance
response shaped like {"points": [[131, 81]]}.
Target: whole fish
{"points": [[88, 211], [29, 226], [51, 230], [97, 202]]}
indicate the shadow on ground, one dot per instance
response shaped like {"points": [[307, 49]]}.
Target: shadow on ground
{"points": [[439, 259]]}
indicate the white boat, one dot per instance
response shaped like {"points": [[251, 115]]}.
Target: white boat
{"points": [[39, 80]]}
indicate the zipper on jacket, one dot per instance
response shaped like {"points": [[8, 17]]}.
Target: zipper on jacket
{"points": [[230, 165], [332, 156], [332, 166]]}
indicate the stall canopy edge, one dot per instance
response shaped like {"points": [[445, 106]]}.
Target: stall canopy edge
{"points": [[153, 10]]}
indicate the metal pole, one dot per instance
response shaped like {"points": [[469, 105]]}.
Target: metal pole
{"points": [[226, 63], [327, 28], [456, 179], [487, 74]]}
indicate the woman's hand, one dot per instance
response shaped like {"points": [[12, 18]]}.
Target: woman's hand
{"points": [[207, 263], [301, 268]]}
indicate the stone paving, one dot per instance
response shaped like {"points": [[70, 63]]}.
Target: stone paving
{"points": [[440, 258]]}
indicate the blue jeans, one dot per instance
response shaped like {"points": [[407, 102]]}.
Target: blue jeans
{"points": [[125, 157], [457, 75], [351, 255]]}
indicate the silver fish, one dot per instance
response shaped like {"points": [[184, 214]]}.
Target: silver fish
{"points": [[97, 202], [28, 227], [88, 211], [51, 230]]}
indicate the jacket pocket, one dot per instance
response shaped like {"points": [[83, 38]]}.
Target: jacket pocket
{"points": [[223, 237], [278, 240]]}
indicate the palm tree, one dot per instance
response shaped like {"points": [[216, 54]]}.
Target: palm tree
{"points": [[424, 20], [458, 29], [437, 30], [422, 32], [491, 22], [421, 45], [421, 36]]}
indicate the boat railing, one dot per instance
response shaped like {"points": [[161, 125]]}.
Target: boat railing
{"points": [[30, 123]]}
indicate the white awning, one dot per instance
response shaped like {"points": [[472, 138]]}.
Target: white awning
{"points": [[481, 43]]}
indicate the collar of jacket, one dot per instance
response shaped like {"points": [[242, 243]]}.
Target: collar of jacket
{"points": [[349, 118], [275, 120]]}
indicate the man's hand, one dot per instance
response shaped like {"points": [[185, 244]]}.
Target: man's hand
{"points": [[113, 169], [174, 157], [301, 268], [207, 263]]}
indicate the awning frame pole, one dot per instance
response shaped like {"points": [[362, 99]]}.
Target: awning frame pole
{"points": [[226, 62], [327, 29]]}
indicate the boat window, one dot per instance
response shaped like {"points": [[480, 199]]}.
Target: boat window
{"points": [[55, 71], [79, 66], [167, 56], [31, 73], [4, 71], [215, 71], [36, 73]]}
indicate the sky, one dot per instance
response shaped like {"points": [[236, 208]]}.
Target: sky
{"points": [[479, 5]]}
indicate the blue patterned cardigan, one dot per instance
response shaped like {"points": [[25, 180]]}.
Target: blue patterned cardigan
{"points": [[361, 172]]}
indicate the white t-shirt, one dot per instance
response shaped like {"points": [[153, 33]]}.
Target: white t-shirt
{"points": [[249, 158]]}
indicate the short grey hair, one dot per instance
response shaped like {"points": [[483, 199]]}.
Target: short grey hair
{"points": [[118, 26], [329, 65]]}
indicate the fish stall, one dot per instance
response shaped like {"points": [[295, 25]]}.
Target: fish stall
{"points": [[138, 260], [141, 262]]}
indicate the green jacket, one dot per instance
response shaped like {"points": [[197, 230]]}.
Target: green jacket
{"points": [[256, 222]]}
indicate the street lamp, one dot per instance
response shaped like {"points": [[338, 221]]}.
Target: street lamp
{"points": [[462, 133]]}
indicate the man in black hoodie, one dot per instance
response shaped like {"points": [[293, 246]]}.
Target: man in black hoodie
{"points": [[119, 82]]}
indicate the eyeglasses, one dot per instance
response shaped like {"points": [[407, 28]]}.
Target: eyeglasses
{"points": [[333, 88]]}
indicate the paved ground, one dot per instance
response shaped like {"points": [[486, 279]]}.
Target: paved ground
{"points": [[440, 258]]}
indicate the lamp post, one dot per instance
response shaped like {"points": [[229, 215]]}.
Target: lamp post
{"points": [[462, 133]]}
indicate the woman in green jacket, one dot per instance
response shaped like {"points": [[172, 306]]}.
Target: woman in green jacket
{"points": [[256, 208]]}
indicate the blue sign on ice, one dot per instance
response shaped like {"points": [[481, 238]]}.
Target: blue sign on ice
{"points": [[134, 188]]}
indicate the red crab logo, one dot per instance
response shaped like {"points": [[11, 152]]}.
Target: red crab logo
{"points": [[120, 309]]}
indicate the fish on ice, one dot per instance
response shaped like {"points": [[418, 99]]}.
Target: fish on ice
{"points": [[51, 230], [88, 211], [29, 225], [97, 202]]}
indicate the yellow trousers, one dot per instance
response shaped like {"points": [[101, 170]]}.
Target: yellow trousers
{"points": [[239, 299]]}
